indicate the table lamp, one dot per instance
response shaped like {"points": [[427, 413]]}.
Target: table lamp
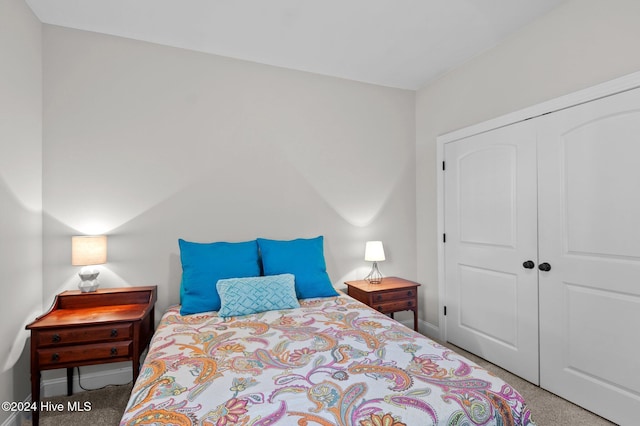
{"points": [[374, 252], [88, 251]]}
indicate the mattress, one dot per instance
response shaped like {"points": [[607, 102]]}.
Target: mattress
{"points": [[333, 361]]}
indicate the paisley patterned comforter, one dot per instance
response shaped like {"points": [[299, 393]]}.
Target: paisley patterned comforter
{"points": [[333, 361]]}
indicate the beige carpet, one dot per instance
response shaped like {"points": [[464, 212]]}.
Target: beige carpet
{"points": [[108, 405], [547, 409]]}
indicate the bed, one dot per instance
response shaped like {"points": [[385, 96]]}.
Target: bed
{"points": [[333, 361], [261, 337]]}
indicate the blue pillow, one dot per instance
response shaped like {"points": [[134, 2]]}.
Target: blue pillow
{"points": [[203, 264], [244, 296], [304, 258]]}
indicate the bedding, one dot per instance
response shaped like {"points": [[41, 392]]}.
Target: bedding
{"points": [[203, 264], [332, 361], [302, 257], [244, 296]]}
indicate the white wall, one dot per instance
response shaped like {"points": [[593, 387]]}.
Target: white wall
{"points": [[580, 44], [149, 144], [20, 192]]}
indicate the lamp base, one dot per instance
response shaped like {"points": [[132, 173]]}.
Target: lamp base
{"points": [[88, 281], [374, 277]]}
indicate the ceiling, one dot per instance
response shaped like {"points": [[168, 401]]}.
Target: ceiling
{"points": [[396, 43]]}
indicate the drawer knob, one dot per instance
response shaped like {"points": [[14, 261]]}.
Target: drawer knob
{"points": [[114, 351], [114, 332], [379, 297], [409, 293], [55, 357], [55, 338], [380, 308], [409, 303]]}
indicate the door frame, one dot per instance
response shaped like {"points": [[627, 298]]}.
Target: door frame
{"points": [[618, 85]]}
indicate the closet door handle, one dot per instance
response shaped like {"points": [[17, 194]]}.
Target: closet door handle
{"points": [[528, 264], [544, 267]]}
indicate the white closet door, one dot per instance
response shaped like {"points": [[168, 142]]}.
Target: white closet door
{"points": [[491, 230], [589, 199]]}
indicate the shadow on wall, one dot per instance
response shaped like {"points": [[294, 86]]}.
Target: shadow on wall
{"points": [[21, 266], [276, 201], [58, 274]]}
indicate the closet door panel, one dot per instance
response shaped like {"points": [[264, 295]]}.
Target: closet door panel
{"points": [[490, 224], [589, 212]]}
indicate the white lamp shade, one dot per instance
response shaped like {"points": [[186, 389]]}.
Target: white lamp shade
{"points": [[374, 252], [88, 250]]}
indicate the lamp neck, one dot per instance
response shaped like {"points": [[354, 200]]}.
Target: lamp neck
{"points": [[374, 277]]}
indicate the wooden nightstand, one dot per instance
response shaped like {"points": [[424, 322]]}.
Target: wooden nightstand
{"points": [[391, 295], [109, 325]]}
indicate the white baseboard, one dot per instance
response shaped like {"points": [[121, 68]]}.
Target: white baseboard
{"points": [[19, 418], [94, 380], [426, 328]]}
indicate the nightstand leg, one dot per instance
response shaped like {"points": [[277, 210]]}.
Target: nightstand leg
{"points": [[415, 320], [69, 381], [35, 396], [136, 368], [35, 382]]}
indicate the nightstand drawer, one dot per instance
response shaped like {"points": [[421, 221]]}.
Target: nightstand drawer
{"points": [[389, 307], [85, 334], [392, 296], [84, 353]]}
